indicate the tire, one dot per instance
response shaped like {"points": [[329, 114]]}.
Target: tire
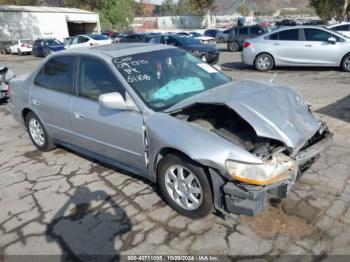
{"points": [[233, 46], [19, 52], [38, 133], [264, 63], [195, 193], [345, 64]]}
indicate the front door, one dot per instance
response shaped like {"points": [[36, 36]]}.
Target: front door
{"points": [[318, 50], [111, 133]]}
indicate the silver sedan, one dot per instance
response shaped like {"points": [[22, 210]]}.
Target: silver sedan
{"points": [[298, 46], [157, 111]]}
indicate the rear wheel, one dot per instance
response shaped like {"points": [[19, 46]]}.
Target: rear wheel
{"points": [[38, 133], [264, 63], [233, 46], [19, 52], [185, 186], [346, 63]]}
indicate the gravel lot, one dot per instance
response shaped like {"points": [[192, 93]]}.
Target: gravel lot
{"points": [[63, 203]]}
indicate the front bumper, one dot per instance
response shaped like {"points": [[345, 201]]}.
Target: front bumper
{"points": [[244, 199]]}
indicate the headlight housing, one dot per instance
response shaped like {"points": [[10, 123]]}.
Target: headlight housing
{"points": [[280, 167]]}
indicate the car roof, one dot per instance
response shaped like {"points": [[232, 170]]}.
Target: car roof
{"points": [[118, 50], [297, 27]]}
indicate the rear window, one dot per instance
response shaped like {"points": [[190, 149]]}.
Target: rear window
{"points": [[243, 31]]}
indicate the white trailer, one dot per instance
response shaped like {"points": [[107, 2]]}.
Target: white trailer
{"points": [[33, 22]]}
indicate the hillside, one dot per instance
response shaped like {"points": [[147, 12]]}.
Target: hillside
{"points": [[228, 7]]}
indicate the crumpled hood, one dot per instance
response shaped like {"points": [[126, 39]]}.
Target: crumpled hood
{"points": [[273, 111]]}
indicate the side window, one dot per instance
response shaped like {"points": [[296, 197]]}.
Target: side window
{"points": [[243, 31], [289, 35], [95, 79], [57, 74], [256, 30], [273, 36], [316, 35]]}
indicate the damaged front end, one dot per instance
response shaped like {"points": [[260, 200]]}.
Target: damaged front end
{"points": [[245, 187]]}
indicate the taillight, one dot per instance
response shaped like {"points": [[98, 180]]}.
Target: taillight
{"points": [[246, 44], [24, 45]]}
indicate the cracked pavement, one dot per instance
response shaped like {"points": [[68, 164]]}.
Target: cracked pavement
{"points": [[62, 203]]}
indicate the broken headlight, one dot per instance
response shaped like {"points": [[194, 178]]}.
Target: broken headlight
{"points": [[279, 167]]}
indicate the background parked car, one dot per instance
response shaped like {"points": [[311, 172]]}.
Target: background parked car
{"points": [[286, 22], [298, 46], [239, 34], [343, 28], [5, 46], [207, 53], [21, 47], [136, 38], [44, 47], [88, 40], [207, 40]]}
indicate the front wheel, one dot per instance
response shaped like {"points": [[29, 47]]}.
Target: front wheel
{"points": [[264, 63], [184, 185], [346, 63], [38, 133], [19, 52]]}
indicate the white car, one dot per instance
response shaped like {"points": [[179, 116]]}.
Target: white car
{"points": [[88, 40], [343, 28], [21, 47], [207, 40]]}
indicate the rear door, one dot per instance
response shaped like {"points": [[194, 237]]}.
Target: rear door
{"points": [[51, 96], [318, 50], [111, 133], [286, 46]]}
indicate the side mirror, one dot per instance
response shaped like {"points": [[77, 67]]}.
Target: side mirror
{"points": [[116, 101], [332, 40]]}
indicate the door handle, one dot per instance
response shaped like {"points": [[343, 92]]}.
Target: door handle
{"points": [[308, 45], [276, 44], [35, 102], [79, 115]]}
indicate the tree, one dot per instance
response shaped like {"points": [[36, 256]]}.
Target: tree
{"points": [[139, 8], [202, 6], [243, 10], [327, 9], [116, 14], [19, 2], [168, 7]]}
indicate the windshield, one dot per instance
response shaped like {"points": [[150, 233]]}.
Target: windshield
{"points": [[29, 42], [337, 32], [195, 34], [99, 37], [165, 77], [185, 40]]}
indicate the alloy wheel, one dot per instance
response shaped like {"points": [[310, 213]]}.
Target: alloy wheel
{"points": [[183, 187], [347, 63], [264, 62], [36, 132]]}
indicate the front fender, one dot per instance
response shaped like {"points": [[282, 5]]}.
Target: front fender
{"points": [[202, 146]]}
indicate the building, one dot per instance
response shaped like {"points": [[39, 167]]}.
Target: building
{"points": [[32, 22]]}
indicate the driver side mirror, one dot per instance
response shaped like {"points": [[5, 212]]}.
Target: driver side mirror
{"points": [[332, 40], [116, 101]]}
